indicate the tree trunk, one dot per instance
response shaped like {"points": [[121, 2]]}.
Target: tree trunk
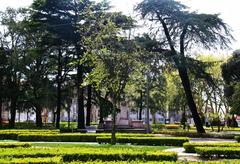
{"points": [[80, 98], [38, 115], [154, 118], [59, 83], [141, 106], [54, 117], [89, 105], [180, 63], [113, 136], [148, 130], [68, 113], [192, 106], [13, 112], [19, 115], [101, 121], [27, 116], [1, 106]]}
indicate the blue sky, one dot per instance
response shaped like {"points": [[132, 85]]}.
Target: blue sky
{"points": [[228, 10]]}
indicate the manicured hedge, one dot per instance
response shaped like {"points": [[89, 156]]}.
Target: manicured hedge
{"points": [[218, 152], [196, 135], [190, 147], [71, 137], [58, 137], [237, 138], [172, 126], [159, 162], [14, 144], [85, 154], [46, 160], [13, 134], [120, 156], [167, 141]]}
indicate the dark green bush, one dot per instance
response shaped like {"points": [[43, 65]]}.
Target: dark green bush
{"points": [[190, 147], [218, 152], [46, 160], [14, 144], [85, 154], [120, 156], [196, 135], [158, 162], [167, 141], [13, 134], [237, 138], [58, 137], [71, 137]]}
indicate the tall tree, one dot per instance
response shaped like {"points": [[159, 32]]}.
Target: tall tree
{"points": [[231, 76], [114, 58], [67, 21], [13, 44], [182, 29]]}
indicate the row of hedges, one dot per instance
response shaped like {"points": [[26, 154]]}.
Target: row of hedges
{"points": [[197, 135], [159, 162], [72, 137], [157, 141], [13, 134], [46, 160], [86, 154], [190, 147], [218, 152], [56, 160], [14, 144], [123, 156]]}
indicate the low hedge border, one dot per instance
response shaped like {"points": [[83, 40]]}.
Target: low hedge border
{"points": [[13, 134], [72, 137], [196, 135], [190, 147], [237, 138], [158, 162], [157, 141], [58, 137], [46, 160], [86, 154], [124, 156], [218, 152], [14, 144]]}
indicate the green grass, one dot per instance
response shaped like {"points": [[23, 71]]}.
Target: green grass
{"points": [[70, 145]]}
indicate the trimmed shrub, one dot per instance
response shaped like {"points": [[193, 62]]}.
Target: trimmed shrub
{"points": [[172, 126], [237, 138], [45, 160], [218, 152], [197, 135], [158, 162], [71, 137], [190, 147], [58, 137], [14, 144], [120, 156], [85, 154], [13, 134], [167, 141]]}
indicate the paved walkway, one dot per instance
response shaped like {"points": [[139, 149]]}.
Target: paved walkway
{"points": [[184, 156]]}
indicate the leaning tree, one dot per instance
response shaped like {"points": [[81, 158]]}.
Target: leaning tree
{"points": [[178, 30]]}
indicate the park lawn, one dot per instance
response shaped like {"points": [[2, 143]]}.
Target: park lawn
{"points": [[90, 145]]}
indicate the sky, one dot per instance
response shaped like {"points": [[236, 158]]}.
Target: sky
{"points": [[228, 10]]}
